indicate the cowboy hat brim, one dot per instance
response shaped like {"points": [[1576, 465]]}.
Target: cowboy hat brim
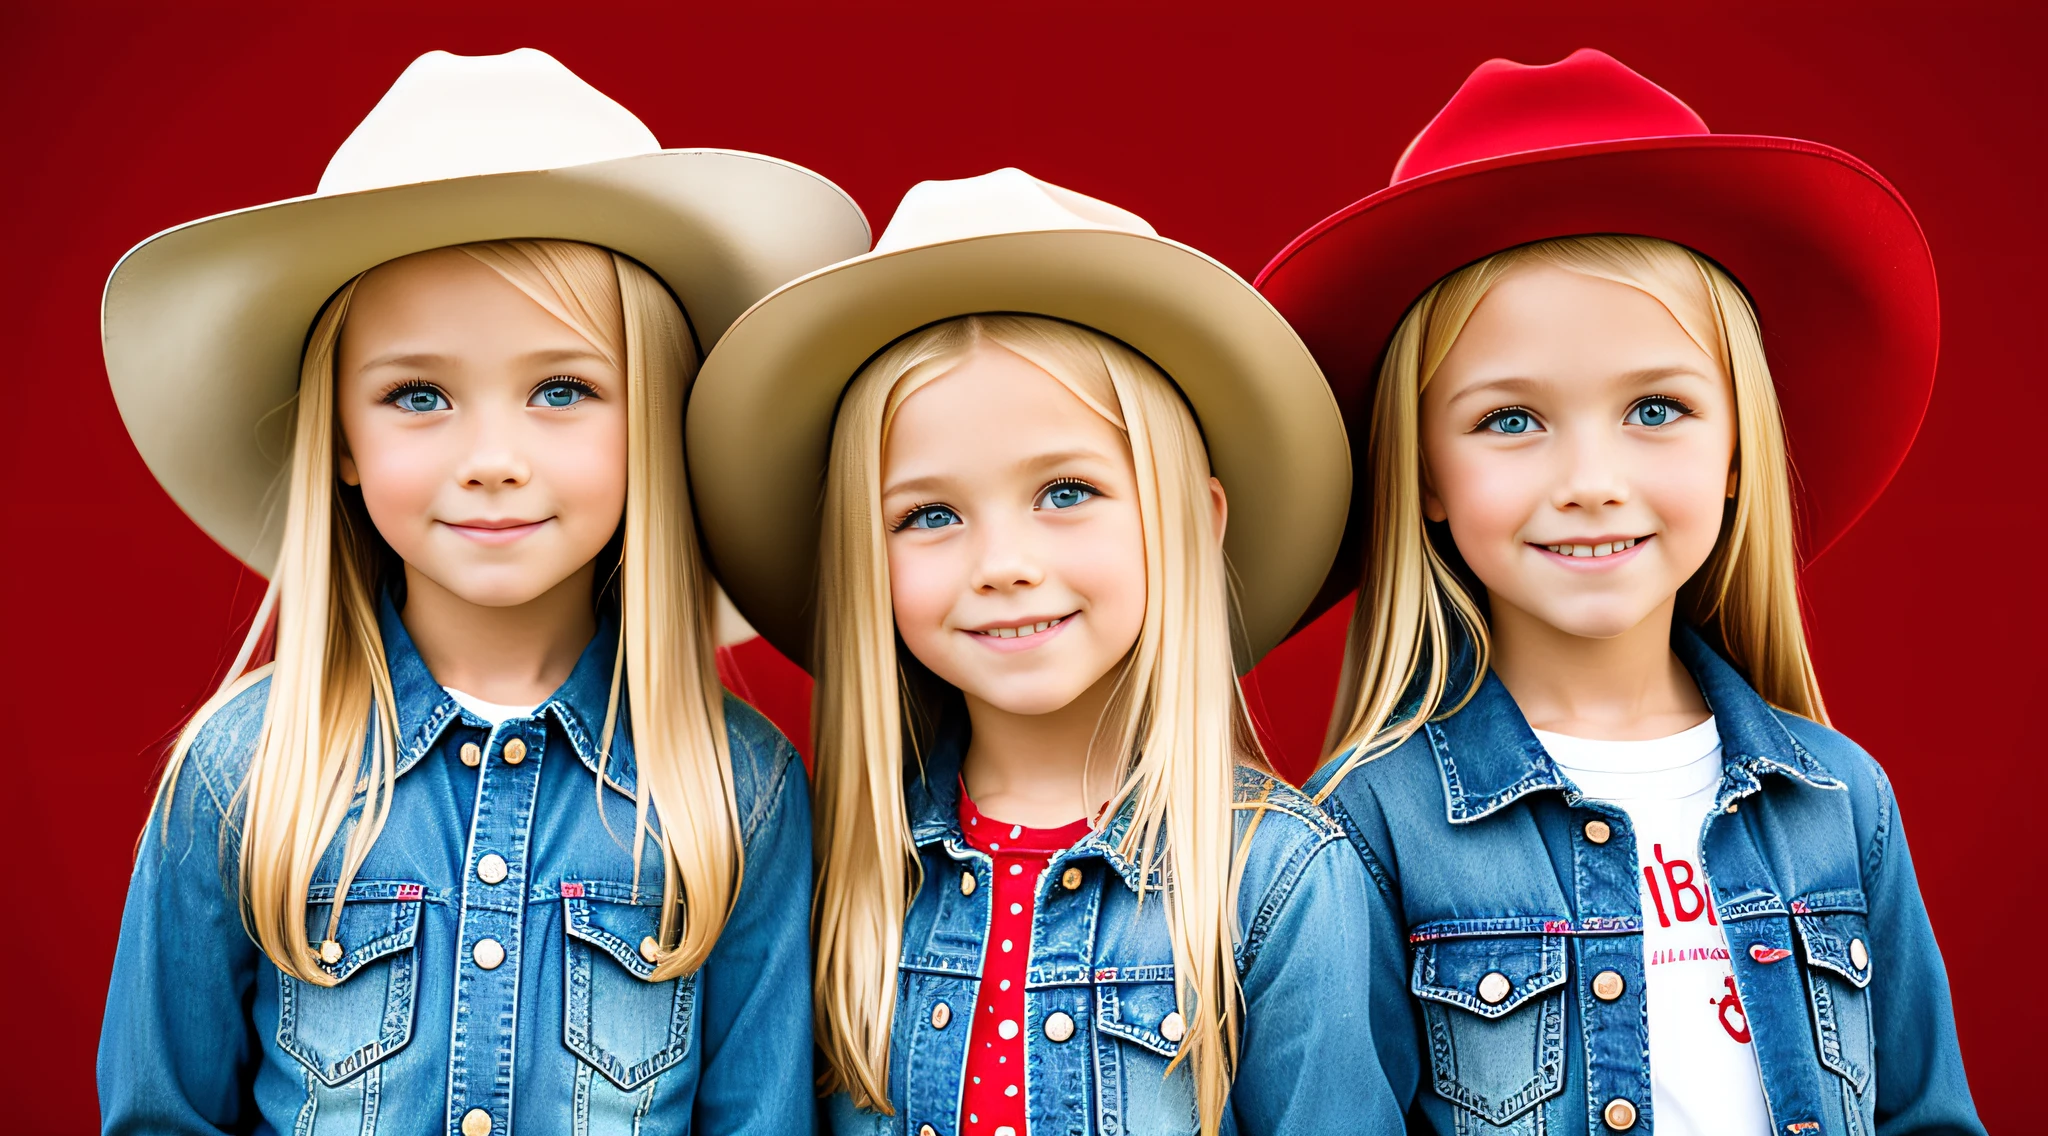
{"points": [[1833, 260], [203, 325], [761, 415]]}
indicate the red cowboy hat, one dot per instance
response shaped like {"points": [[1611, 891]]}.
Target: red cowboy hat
{"points": [[1830, 255]]}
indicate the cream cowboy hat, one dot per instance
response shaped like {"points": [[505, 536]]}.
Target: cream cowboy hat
{"points": [[761, 413], [203, 324]]}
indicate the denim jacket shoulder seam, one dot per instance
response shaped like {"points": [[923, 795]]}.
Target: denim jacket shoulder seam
{"points": [[768, 794], [1880, 836], [1279, 894]]}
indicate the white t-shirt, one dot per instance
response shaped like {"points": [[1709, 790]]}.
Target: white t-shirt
{"points": [[1703, 1075], [496, 713]]}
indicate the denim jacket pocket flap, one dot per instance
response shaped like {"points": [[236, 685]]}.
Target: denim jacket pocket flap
{"points": [[1491, 976], [1837, 941], [1144, 1013], [617, 1018], [337, 1030]]}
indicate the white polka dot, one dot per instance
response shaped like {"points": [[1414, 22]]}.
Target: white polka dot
{"points": [[1016, 830], [971, 1118], [1002, 1061], [1016, 869], [1016, 909], [1006, 1130], [1007, 1030], [1006, 984], [1006, 946], [994, 847], [1011, 1091], [977, 1081], [972, 821]]}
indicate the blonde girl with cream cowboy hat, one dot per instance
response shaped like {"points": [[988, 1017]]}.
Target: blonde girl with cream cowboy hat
{"points": [[977, 480], [1615, 373], [484, 847]]}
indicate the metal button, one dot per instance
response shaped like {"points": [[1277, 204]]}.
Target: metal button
{"points": [[488, 953], [1071, 879], [1620, 1114], [1598, 831], [515, 751], [476, 1122], [1495, 988], [1731, 808], [967, 883], [1608, 985], [330, 951], [650, 949], [1859, 955], [1173, 1027], [941, 1014], [491, 869], [472, 757], [1058, 1026], [927, 1130]]}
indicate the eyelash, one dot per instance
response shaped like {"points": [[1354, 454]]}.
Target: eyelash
{"points": [[407, 386], [912, 513], [565, 381], [1064, 482], [1680, 405]]}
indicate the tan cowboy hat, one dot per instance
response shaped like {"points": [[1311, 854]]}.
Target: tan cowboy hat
{"points": [[203, 324], [760, 418]]}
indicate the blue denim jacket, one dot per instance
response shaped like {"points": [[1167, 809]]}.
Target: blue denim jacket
{"points": [[1101, 982], [566, 1035], [1478, 850]]}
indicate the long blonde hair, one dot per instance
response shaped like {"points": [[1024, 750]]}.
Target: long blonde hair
{"points": [[330, 687], [1415, 611], [1176, 727]]}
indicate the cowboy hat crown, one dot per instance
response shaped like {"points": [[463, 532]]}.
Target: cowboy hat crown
{"points": [[452, 116], [1004, 201]]}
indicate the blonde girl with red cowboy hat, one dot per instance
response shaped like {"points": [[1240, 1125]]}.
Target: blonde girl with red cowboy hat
{"points": [[484, 847], [977, 480], [1614, 375]]}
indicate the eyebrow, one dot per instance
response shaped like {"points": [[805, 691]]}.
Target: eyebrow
{"points": [[547, 357], [1512, 384], [938, 481]]}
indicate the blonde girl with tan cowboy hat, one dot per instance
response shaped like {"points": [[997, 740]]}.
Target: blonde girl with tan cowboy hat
{"points": [[484, 847], [1614, 374], [977, 481]]}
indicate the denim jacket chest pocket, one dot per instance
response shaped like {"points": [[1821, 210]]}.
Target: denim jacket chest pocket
{"points": [[1493, 1011], [1139, 1031], [1837, 953], [338, 1031], [616, 1018]]}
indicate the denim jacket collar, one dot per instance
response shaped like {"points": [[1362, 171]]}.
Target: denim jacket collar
{"points": [[1489, 757], [931, 798], [578, 705]]}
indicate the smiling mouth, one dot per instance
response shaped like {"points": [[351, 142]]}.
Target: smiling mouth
{"points": [[1022, 630], [1593, 551]]}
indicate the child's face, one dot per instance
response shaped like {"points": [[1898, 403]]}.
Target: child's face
{"points": [[1572, 417], [1016, 558], [488, 437]]}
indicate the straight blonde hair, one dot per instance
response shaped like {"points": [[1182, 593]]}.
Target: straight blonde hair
{"points": [[1176, 727], [330, 693], [1415, 611]]}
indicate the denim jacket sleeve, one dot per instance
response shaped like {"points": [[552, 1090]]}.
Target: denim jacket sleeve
{"points": [[757, 983], [1921, 1087], [1308, 1063], [177, 1052]]}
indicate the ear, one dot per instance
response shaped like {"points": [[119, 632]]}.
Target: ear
{"points": [[1432, 505], [1220, 504], [1734, 479], [345, 462]]}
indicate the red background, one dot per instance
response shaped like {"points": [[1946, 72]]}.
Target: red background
{"points": [[1232, 129]]}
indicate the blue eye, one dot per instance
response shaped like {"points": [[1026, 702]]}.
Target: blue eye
{"points": [[1655, 411], [1511, 420], [1065, 494], [558, 393], [417, 398], [929, 517]]}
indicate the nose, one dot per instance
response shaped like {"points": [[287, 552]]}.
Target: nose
{"points": [[493, 462], [1006, 560], [1592, 477]]}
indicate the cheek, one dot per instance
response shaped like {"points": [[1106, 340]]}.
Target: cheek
{"points": [[1104, 562], [585, 470], [1488, 497], [1687, 487], [401, 471], [922, 586]]}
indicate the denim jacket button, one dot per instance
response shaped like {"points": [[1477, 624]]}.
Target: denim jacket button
{"points": [[330, 951], [1071, 879], [476, 1122], [927, 1130], [471, 755], [941, 1014], [1173, 1027], [967, 883], [650, 948], [1608, 985], [491, 869], [1495, 988], [489, 954], [1598, 831], [1058, 1026], [1859, 955], [1620, 1114], [515, 751]]}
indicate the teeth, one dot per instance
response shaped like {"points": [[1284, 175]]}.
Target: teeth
{"points": [[1021, 632], [1594, 550]]}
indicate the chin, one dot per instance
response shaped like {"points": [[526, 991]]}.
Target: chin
{"points": [[490, 592], [1024, 699], [1604, 623]]}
